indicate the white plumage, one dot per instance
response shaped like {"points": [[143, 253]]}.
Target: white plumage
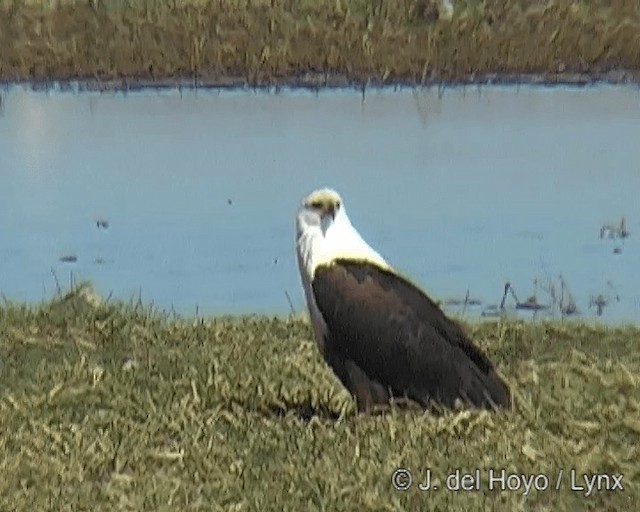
{"points": [[322, 238]]}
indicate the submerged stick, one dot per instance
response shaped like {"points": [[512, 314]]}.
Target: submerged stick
{"points": [[293, 311], [55, 279]]}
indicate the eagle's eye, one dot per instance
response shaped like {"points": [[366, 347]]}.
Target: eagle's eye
{"points": [[337, 205], [317, 205]]}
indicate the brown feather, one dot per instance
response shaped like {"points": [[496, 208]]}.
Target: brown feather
{"points": [[387, 339]]}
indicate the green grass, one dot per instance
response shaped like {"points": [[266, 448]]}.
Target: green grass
{"points": [[129, 43], [107, 406]]}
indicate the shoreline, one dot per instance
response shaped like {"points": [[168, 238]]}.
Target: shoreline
{"points": [[327, 81], [350, 43], [88, 299]]}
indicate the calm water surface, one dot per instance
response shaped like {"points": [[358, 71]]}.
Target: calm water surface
{"points": [[464, 191]]}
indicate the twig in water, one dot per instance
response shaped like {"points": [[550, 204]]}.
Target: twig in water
{"points": [[568, 308], [139, 303], [599, 302], [466, 301], [293, 311], [55, 279], [614, 290]]}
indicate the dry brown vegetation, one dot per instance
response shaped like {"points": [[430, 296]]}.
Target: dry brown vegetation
{"points": [[316, 42], [106, 406]]}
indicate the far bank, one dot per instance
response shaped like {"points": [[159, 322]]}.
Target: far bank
{"points": [[226, 43]]}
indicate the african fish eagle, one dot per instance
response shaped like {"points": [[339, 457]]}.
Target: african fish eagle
{"points": [[381, 335]]}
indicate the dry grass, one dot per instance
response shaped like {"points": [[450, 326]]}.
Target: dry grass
{"points": [[110, 406], [315, 42]]}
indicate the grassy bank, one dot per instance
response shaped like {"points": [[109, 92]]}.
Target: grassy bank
{"points": [[108, 406], [130, 43]]}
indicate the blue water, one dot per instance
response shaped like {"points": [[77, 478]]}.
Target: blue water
{"points": [[463, 191]]}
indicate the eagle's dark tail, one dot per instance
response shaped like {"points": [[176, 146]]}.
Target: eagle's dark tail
{"points": [[498, 391], [487, 391]]}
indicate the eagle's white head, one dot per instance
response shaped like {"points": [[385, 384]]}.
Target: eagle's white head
{"points": [[324, 233]]}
